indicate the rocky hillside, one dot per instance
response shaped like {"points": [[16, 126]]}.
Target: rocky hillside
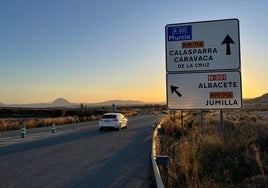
{"points": [[262, 99], [260, 103]]}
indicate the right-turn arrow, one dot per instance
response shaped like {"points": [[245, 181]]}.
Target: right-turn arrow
{"points": [[174, 89]]}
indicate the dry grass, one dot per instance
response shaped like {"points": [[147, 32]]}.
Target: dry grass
{"points": [[15, 123], [217, 156], [7, 124], [128, 112]]}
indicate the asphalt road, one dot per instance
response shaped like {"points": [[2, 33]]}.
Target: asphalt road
{"points": [[79, 155]]}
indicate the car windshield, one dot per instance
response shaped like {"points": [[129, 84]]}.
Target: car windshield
{"points": [[109, 116]]}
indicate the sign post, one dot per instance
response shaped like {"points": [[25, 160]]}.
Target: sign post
{"points": [[203, 65], [204, 90]]}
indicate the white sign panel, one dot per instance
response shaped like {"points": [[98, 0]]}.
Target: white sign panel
{"points": [[203, 46], [212, 90]]}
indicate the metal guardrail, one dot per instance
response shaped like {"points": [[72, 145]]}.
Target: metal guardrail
{"points": [[157, 175]]}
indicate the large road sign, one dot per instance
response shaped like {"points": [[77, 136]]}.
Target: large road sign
{"points": [[208, 90], [203, 46]]}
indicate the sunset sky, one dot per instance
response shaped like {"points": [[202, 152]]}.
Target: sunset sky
{"points": [[97, 50]]}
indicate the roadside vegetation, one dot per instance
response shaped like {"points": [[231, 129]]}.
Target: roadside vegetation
{"points": [[33, 118], [235, 155], [14, 118]]}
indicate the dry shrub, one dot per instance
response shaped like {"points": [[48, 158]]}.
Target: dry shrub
{"points": [[221, 156], [15, 123], [9, 124], [3, 125], [255, 181], [129, 111], [170, 128], [188, 159]]}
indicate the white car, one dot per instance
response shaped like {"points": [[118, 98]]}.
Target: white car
{"points": [[112, 120]]}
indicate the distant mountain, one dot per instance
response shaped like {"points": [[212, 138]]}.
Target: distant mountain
{"points": [[118, 103], [61, 102]]}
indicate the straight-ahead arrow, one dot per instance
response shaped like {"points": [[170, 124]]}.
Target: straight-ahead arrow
{"points": [[174, 89], [228, 40]]}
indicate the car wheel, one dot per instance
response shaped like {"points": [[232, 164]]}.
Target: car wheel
{"points": [[100, 129]]}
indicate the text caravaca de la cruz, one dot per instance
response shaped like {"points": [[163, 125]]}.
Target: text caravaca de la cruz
{"points": [[193, 55]]}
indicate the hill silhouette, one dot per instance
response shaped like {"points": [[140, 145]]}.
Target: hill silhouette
{"points": [[260, 103], [262, 99], [61, 102]]}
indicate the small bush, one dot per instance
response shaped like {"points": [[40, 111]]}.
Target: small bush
{"points": [[219, 156], [59, 117], [15, 123]]}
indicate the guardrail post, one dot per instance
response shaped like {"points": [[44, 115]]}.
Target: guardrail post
{"points": [[163, 160], [53, 128], [22, 131], [160, 132], [75, 119]]}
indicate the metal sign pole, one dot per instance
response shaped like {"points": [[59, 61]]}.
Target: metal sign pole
{"points": [[181, 119], [201, 121], [221, 120], [174, 118]]}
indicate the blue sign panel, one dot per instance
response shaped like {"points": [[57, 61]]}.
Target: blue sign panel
{"points": [[180, 33]]}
